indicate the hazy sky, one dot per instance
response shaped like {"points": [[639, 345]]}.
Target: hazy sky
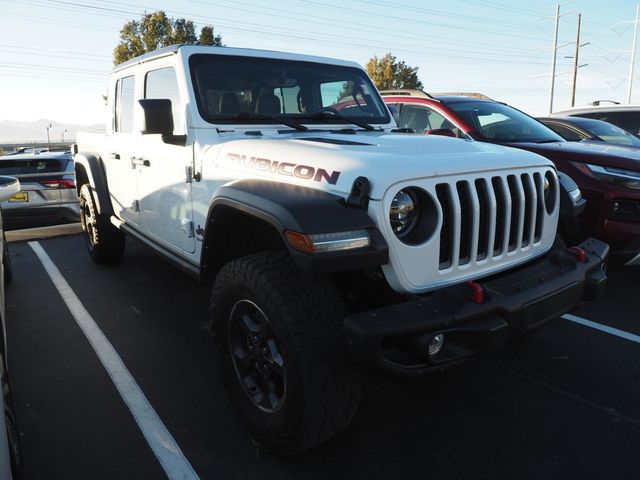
{"points": [[55, 55]]}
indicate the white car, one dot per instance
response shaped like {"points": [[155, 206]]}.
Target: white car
{"points": [[332, 242], [626, 117]]}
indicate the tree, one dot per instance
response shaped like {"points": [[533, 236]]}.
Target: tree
{"points": [[389, 74], [155, 30]]}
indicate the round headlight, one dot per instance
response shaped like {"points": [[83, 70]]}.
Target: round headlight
{"points": [[403, 213]]}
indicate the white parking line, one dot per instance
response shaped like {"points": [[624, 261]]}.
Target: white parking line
{"points": [[158, 437], [603, 328]]}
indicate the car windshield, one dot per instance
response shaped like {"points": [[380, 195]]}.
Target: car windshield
{"points": [[236, 89], [501, 123], [612, 134]]}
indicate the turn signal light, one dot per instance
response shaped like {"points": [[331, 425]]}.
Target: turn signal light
{"points": [[328, 242]]}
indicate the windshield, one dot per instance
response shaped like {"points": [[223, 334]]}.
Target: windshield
{"points": [[235, 89], [501, 123], [612, 134]]}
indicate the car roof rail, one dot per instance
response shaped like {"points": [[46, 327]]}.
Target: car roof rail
{"points": [[407, 92], [598, 102], [480, 96]]}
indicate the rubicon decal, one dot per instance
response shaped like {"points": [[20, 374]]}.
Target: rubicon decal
{"points": [[287, 169]]}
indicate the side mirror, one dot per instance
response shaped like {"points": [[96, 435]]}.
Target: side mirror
{"points": [[158, 119], [445, 132], [9, 186]]}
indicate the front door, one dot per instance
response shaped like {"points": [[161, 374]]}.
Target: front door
{"points": [[164, 189]]}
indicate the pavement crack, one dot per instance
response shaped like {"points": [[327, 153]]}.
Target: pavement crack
{"points": [[618, 415]]}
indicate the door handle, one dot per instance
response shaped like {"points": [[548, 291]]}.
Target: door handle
{"points": [[114, 155], [140, 161]]}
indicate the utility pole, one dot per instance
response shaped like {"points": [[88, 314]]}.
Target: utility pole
{"points": [[575, 63], [553, 61], [48, 137], [633, 54]]}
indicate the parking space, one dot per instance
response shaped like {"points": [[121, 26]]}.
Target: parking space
{"points": [[562, 403]]}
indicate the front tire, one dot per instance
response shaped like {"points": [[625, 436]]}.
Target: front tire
{"points": [[104, 241], [281, 351]]}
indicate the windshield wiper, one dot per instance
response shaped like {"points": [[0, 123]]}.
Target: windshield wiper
{"points": [[337, 116], [275, 118], [549, 141]]}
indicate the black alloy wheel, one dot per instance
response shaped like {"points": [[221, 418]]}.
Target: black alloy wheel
{"points": [[256, 357]]}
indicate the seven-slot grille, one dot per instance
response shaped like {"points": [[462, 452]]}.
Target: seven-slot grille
{"points": [[488, 217]]}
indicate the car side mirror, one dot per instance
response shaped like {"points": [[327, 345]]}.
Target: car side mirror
{"points": [[9, 186], [444, 132], [158, 120]]}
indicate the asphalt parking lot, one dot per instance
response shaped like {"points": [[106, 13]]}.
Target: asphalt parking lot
{"points": [[563, 403]]}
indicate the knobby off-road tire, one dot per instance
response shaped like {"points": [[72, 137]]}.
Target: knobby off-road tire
{"points": [[315, 385], [104, 241]]}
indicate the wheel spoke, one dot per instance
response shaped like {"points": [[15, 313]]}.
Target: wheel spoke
{"points": [[250, 326]]}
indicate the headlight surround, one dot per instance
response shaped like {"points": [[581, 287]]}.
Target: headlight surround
{"points": [[549, 187], [403, 213], [616, 176], [413, 216]]}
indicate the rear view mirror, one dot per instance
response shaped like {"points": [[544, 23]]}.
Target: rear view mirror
{"points": [[158, 119], [9, 186]]}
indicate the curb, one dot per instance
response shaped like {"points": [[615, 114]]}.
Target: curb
{"points": [[42, 232]]}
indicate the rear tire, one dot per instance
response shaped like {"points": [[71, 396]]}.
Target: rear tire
{"points": [[313, 384], [104, 241]]}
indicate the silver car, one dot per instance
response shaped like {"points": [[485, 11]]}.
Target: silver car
{"points": [[48, 188]]}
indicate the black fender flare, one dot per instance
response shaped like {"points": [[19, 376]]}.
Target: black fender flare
{"points": [[89, 168], [304, 210]]}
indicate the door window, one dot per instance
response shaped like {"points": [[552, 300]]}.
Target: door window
{"points": [[163, 84], [125, 90]]}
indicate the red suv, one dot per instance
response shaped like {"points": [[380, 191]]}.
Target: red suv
{"points": [[609, 177]]}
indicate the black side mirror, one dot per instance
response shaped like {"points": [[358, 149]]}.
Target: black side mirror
{"points": [[158, 119]]}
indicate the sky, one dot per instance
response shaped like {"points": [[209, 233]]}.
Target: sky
{"points": [[55, 55]]}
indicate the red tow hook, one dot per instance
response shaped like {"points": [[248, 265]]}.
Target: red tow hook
{"points": [[580, 253], [477, 292]]}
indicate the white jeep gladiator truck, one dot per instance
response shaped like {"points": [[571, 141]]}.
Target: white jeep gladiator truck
{"points": [[332, 240]]}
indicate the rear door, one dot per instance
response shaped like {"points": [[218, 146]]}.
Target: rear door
{"points": [[121, 144]]}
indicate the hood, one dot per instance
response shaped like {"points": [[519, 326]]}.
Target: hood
{"points": [[597, 153], [333, 161]]}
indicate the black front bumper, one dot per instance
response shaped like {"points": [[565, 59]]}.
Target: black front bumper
{"points": [[395, 338]]}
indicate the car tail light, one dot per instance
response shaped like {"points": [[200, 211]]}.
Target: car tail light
{"points": [[59, 183]]}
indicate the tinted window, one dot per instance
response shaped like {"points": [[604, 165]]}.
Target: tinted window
{"points": [[125, 89], [498, 122], [422, 119], [629, 121], [565, 132], [163, 83], [231, 89]]}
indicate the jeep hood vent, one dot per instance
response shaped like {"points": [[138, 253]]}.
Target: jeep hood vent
{"points": [[333, 141]]}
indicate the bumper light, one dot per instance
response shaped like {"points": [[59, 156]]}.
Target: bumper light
{"points": [[328, 242], [435, 344]]}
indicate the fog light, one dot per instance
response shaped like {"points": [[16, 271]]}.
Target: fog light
{"points": [[435, 344]]}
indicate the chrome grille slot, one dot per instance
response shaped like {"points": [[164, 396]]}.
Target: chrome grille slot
{"points": [[486, 218]]}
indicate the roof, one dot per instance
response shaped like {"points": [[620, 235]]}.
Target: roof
{"points": [[242, 52], [597, 108], [29, 155]]}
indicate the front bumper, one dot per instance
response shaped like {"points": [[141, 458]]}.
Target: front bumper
{"points": [[395, 338]]}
